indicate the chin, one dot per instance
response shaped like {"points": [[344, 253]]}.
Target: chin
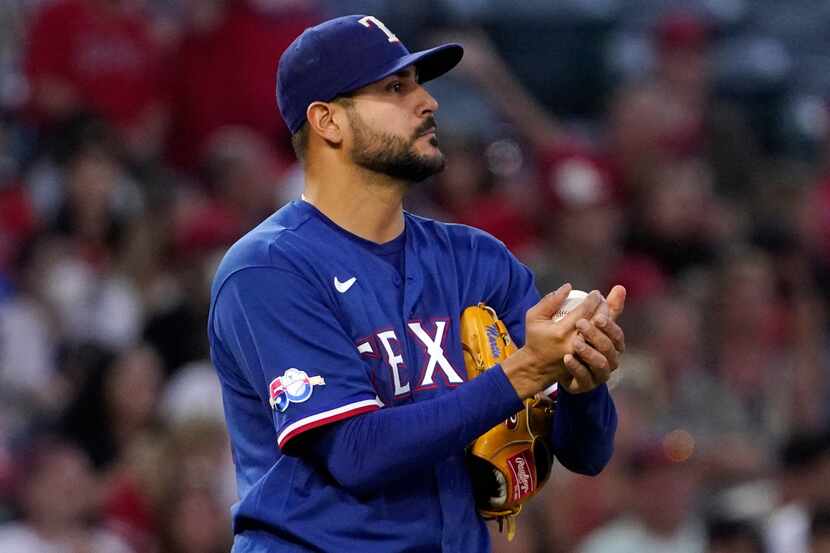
{"points": [[435, 157]]}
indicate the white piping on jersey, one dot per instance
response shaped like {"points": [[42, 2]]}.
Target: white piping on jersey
{"points": [[550, 390], [327, 414]]}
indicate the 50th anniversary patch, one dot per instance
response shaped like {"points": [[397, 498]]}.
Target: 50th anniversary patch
{"points": [[294, 386]]}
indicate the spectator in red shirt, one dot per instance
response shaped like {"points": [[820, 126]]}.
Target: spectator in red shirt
{"points": [[97, 56], [223, 73]]}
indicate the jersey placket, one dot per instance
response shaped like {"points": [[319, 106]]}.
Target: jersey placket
{"points": [[412, 286], [446, 473]]}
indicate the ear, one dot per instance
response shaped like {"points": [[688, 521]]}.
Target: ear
{"points": [[325, 121]]}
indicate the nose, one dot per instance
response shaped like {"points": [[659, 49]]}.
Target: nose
{"points": [[427, 104]]}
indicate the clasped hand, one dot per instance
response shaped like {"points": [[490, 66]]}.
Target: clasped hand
{"points": [[580, 351]]}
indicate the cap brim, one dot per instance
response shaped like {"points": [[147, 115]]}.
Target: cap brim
{"points": [[436, 61], [431, 63]]}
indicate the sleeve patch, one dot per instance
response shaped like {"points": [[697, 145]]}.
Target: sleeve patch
{"points": [[294, 386]]}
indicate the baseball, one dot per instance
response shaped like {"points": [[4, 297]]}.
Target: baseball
{"points": [[573, 299], [295, 387]]}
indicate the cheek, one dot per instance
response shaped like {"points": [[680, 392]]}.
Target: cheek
{"points": [[386, 120]]}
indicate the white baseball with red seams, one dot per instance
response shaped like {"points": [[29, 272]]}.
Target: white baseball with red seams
{"points": [[574, 298]]}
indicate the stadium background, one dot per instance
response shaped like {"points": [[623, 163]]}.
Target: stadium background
{"points": [[680, 148]]}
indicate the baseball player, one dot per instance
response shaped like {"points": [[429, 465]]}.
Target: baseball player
{"points": [[334, 324]]}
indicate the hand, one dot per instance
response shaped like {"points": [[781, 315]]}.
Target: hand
{"points": [[540, 361], [597, 348]]}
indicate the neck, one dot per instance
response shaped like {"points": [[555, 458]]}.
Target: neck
{"points": [[362, 202]]}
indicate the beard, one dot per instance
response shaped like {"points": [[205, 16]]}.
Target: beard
{"points": [[392, 155]]}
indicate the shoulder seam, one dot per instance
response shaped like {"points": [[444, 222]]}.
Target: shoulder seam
{"points": [[240, 269]]}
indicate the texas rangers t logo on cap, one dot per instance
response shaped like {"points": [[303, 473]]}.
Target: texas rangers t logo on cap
{"points": [[379, 24], [294, 386]]}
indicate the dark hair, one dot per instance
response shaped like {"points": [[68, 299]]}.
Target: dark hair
{"points": [[69, 138], [299, 141]]}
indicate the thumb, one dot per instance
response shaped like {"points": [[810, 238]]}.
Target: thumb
{"points": [[616, 301], [547, 306]]}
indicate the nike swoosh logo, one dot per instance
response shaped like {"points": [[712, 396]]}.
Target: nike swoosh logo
{"points": [[343, 287]]}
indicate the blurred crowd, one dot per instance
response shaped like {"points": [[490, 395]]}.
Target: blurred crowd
{"points": [[679, 148]]}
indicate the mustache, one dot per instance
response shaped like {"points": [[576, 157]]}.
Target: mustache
{"points": [[428, 125]]}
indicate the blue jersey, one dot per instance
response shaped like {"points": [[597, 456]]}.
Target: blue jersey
{"points": [[310, 324]]}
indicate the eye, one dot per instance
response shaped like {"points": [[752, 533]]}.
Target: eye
{"points": [[395, 86]]}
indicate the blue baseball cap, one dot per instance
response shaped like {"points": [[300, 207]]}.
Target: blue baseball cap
{"points": [[343, 54]]}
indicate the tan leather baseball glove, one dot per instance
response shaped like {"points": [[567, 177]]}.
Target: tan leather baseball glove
{"points": [[510, 462]]}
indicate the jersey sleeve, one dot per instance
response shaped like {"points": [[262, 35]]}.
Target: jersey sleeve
{"points": [[286, 340], [514, 294], [508, 285]]}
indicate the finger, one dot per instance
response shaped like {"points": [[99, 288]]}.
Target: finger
{"points": [[616, 301], [598, 365], [582, 380], [547, 306], [585, 310], [602, 310], [597, 338], [612, 330]]}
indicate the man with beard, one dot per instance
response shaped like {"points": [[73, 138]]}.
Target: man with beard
{"points": [[334, 324]]}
